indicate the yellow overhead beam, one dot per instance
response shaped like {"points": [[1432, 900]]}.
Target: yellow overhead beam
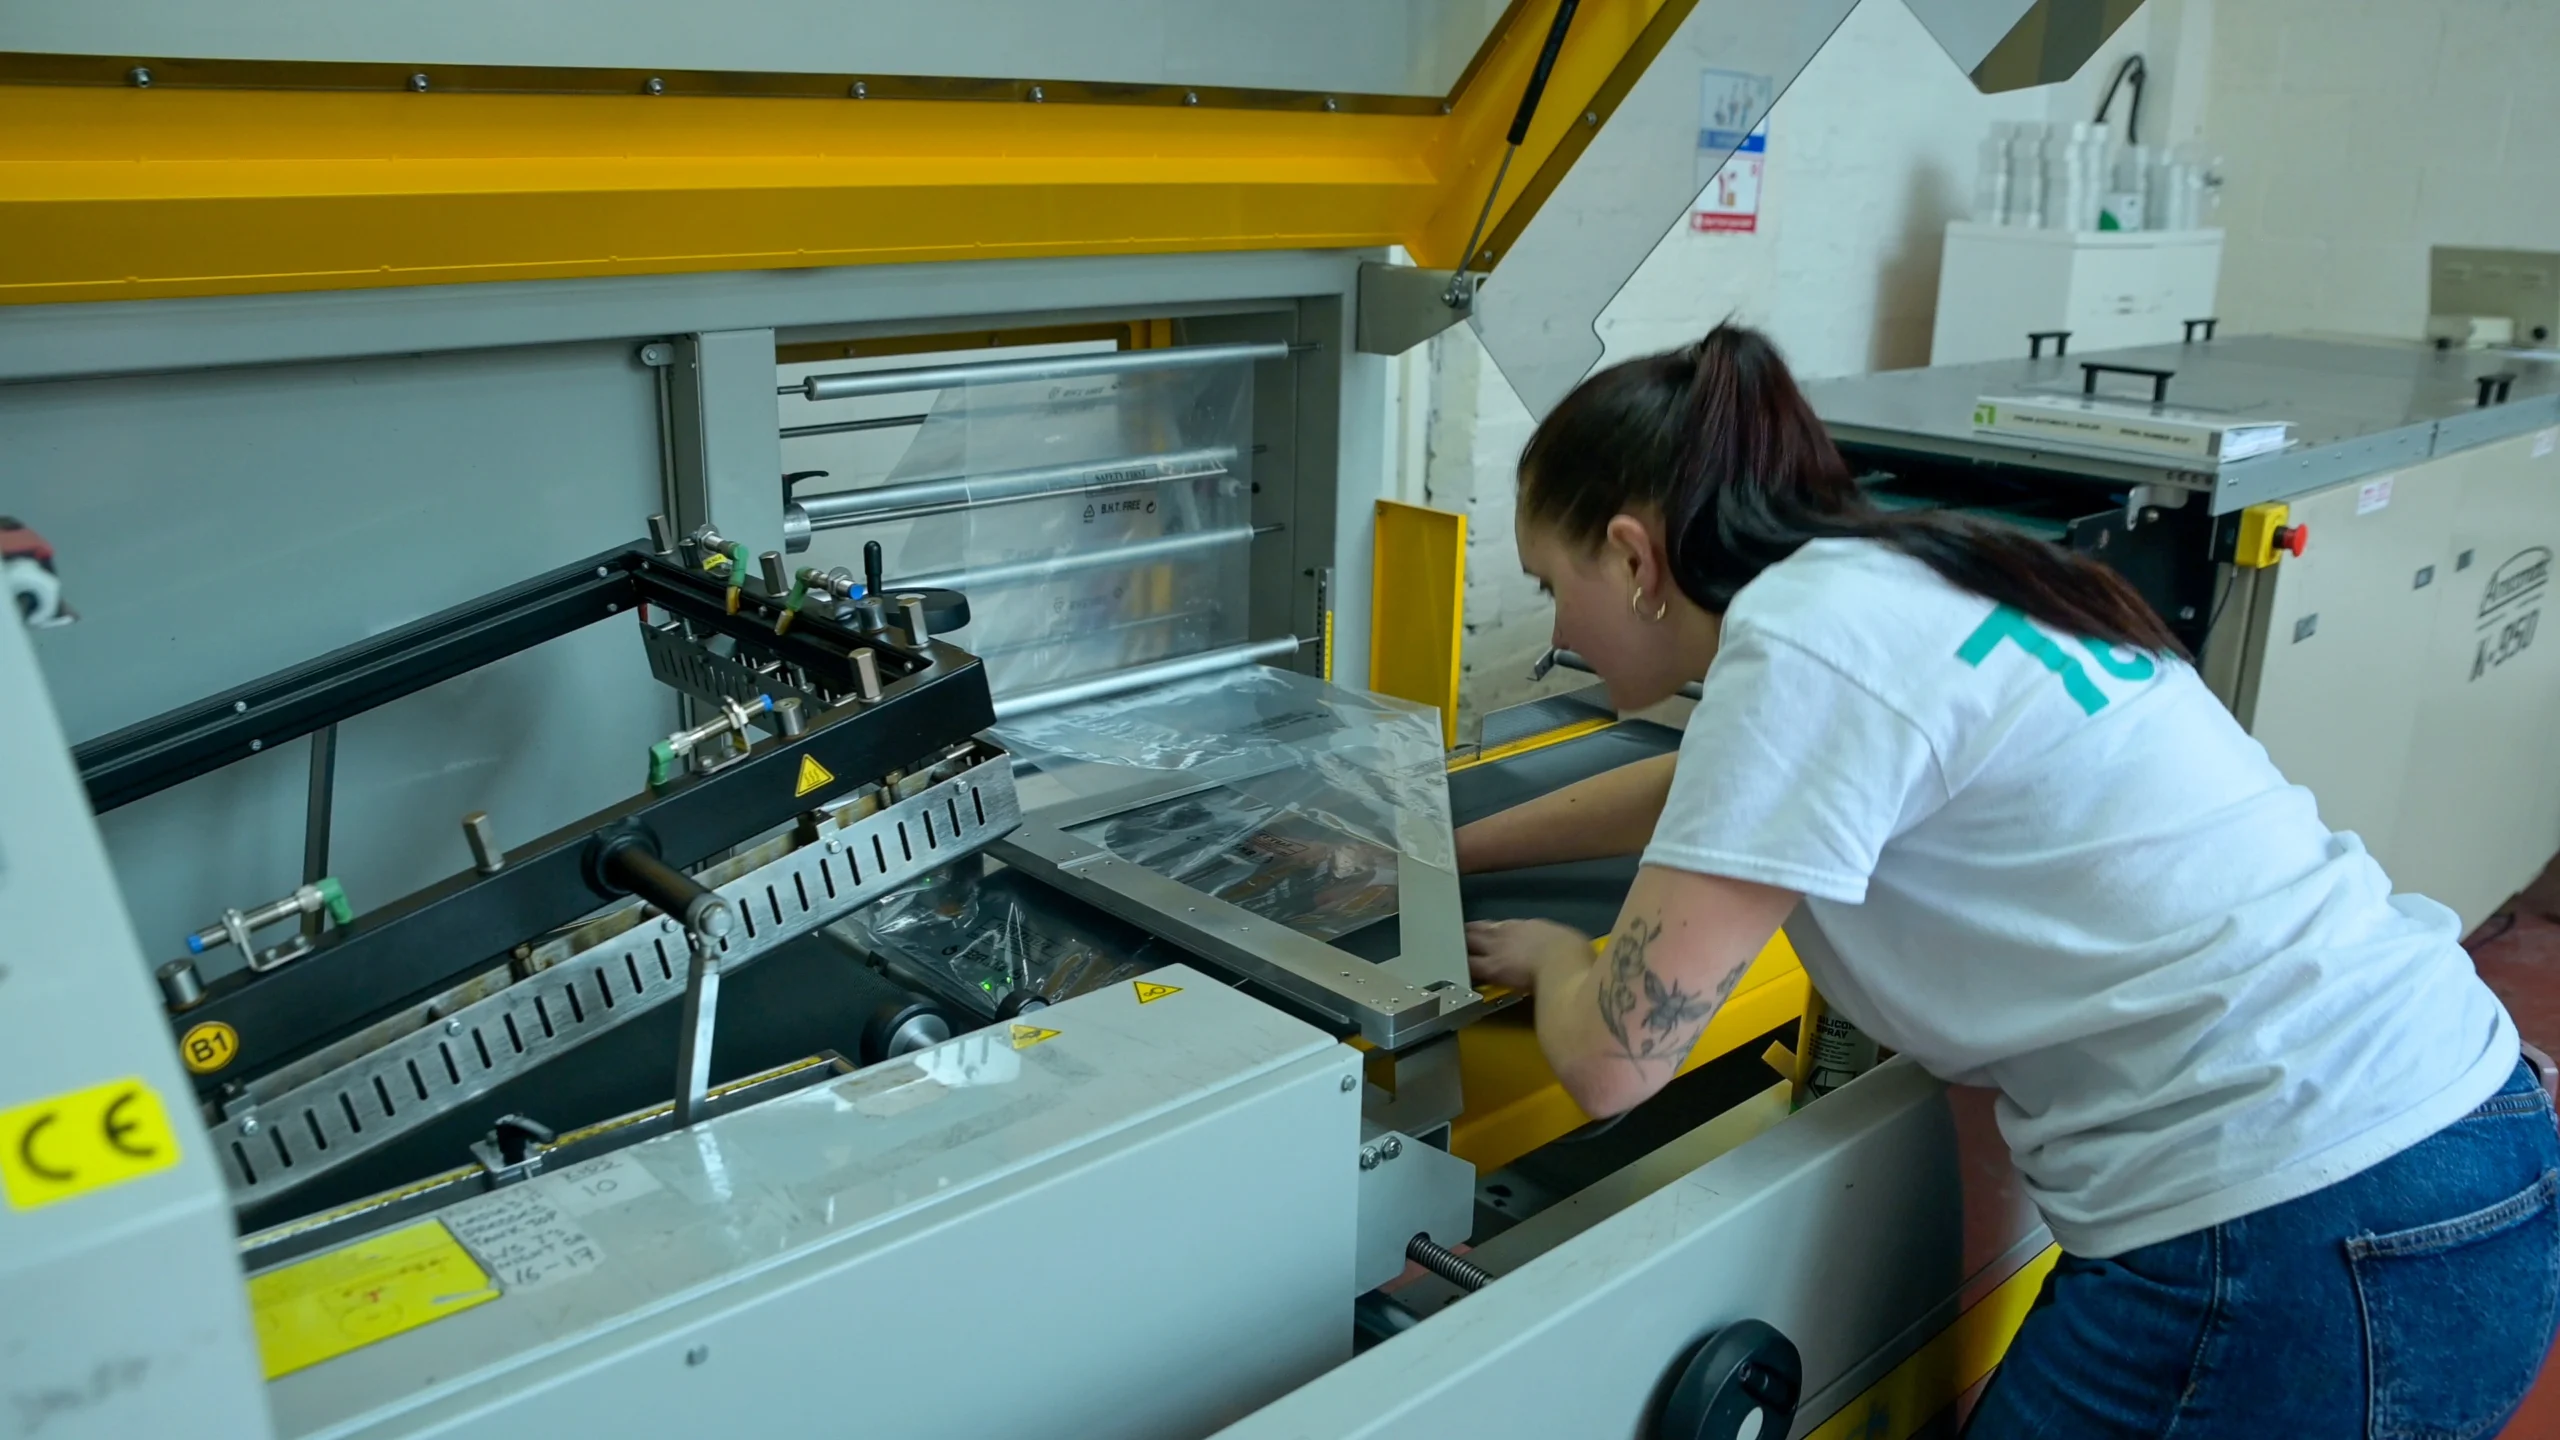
{"points": [[115, 193]]}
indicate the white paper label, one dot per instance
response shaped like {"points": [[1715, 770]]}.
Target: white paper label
{"points": [[597, 1184], [2545, 442], [524, 1239], [2375, 495]]}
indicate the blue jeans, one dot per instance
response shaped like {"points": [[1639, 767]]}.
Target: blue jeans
{"points": [[2413, 1301]]}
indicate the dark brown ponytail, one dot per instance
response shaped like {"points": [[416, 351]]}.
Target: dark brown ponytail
{"points": [[1716, 440]]}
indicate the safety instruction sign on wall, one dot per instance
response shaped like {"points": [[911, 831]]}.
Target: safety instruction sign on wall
{"points": [[1733, 150]]}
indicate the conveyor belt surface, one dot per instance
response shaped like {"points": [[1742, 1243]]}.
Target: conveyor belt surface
{"points": [[1585, 895]]}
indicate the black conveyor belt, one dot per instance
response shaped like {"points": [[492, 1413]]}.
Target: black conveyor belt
{"points": [[1585, 895]]}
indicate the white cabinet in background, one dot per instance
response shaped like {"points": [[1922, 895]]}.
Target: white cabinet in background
{"points": [[1997, 284]]}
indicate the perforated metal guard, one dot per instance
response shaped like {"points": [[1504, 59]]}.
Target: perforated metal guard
{"points": [[691, 666], [361, 1106]]}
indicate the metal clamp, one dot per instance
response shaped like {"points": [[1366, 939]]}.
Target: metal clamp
{"points": [[730, 727], [236, 926]]}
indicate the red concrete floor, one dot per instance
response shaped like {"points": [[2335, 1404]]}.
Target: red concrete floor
{"points": [[2518, 952]]}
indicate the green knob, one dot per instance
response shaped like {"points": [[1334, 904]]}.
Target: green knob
{"points": [[662, 763], [340, 912]]}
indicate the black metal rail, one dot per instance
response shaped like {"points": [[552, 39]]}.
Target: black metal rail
{"points": [[415, 947]]}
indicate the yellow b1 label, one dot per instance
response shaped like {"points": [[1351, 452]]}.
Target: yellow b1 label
{"points": [[208, 1047], [69, 1145]]}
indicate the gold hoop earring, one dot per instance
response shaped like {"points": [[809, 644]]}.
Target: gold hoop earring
{"points": [[1635, 603]]}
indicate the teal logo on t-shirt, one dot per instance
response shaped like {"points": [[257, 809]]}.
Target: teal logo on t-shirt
{"points": [[2007, 622]]}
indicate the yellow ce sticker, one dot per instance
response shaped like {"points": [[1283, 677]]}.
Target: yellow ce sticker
{"points": [[69, 1145], [208, 1047]]}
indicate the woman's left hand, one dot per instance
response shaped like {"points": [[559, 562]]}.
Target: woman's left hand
{"points": [[1513, 952]]}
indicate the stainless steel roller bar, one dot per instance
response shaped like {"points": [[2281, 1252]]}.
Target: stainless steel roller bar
{"points": [[847, 427], [1139, 677], [918, 498], [1057, 367], [1136, 553]]}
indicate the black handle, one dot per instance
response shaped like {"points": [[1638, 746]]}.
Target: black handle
{"points": [[631, 867], [514, 1137], [1744, 1367], [873, 581], [2035, 343], [2090, 370], [2208, 323], [795, 477], [1538, 77], [2494, 388]]}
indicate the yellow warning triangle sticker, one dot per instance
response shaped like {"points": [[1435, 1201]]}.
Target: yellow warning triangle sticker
{"points": [[1149, 992], [1026, 1036], [812, 776]]}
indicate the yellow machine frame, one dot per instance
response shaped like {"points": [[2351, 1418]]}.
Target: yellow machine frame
{"points": [[221, 180]]}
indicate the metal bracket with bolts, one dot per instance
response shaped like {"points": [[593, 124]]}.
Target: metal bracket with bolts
{"points": [[236, 926], [729, 728]]}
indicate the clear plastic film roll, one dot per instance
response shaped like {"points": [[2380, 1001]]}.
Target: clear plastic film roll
{"points": [[1101, 523]]}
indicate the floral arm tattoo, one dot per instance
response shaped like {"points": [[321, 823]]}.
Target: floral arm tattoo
{"points": [[1654, 1021]]}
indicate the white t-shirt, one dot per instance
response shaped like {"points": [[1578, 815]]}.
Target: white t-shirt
{"points": [[2062, 870]]}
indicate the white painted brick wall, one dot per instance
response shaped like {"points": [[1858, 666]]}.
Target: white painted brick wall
{"points": [[2358, 133], [1872, 151]]}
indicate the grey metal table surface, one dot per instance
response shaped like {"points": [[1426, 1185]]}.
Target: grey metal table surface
{"points": [[2357, 406], [919, 1249]]}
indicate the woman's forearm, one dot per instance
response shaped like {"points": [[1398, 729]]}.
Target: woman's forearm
{"points": [[1612, 813]]}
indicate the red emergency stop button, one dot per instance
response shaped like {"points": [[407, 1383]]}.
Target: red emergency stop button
{"points": [[2293, 539]]}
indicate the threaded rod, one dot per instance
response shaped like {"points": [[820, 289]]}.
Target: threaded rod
{"points": [[1448, 1264]]}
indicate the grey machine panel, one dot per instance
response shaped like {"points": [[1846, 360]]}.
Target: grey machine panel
{"points": [[922, 1249], [1392, 47], [1860, 1227], [120, 1306], [2393, 668], [2358, 407], [219, 525]]}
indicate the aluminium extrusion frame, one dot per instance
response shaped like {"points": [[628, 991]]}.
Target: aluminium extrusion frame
{"points": [[1421, 994]]}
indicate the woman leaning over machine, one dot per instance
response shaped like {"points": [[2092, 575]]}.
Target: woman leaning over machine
{"points": [[2302, 1183]]}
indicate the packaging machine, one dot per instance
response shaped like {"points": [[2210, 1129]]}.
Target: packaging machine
{"points": [[2365, 599], [864, 533]]}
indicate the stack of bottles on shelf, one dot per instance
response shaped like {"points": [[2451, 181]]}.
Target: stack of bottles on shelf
{"points": [[2075, 177]]}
